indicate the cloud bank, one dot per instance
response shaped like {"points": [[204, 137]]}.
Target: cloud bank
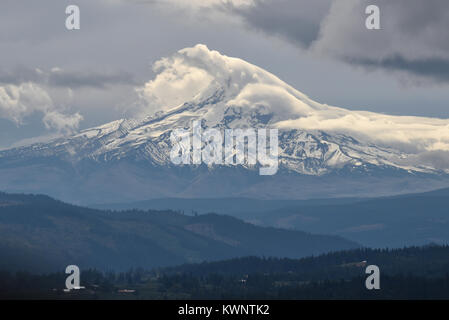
{"points": [[24, 91], [19, 101], [410, 134]]}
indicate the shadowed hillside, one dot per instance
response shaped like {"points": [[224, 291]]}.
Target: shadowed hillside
{"points": [[39, 234]]}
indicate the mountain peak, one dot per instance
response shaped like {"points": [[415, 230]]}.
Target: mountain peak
{"points": [[198, 84], [194, 75]]}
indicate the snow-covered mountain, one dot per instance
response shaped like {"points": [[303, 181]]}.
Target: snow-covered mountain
{"points": [[323, 151]]}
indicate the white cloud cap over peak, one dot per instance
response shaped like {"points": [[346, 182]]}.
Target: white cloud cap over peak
{"points": [[194, 74]]}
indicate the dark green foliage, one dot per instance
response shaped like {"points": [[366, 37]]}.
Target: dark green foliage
{"points": [[409, 273]]}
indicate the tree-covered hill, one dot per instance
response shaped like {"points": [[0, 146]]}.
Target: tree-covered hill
{"points": [[40, 234]]}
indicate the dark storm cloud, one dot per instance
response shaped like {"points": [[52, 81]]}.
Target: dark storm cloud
{"points": [[414, 35], [437, 69], [295, 20], [413, 38]]}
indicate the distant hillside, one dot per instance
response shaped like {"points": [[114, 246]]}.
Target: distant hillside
{"points": [[414, 219], [39, 234], [397, 221]]}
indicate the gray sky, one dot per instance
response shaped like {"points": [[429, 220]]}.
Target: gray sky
{"points": [[69, 80]]}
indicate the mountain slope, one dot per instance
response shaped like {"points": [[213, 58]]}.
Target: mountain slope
{"points": [[333, 151], [40, 234]]}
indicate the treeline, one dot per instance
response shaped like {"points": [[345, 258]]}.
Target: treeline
{"points": [[409, 273], [428, 261], [275, 287], [216, 286]]}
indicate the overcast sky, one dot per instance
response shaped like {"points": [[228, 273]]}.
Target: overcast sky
{"points": [[54, 81]]}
